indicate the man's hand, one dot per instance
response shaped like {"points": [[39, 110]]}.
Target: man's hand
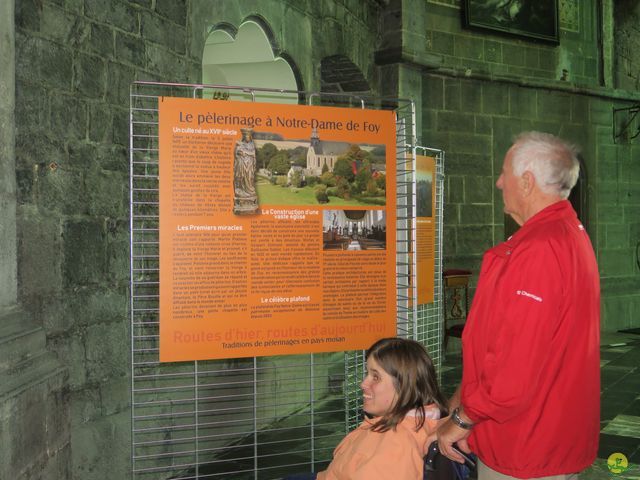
{"points": [[433, 436], [448, 434]]}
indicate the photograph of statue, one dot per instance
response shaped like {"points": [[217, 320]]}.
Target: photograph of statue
{"points": [[245, 201]]}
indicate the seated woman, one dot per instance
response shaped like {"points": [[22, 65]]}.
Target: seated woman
{"points": [[403, 402]]}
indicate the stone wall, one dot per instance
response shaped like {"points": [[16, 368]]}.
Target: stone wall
{"points": [[575, 59], [627, 40], [75, 61], [474, 121], [480, 89], [8, 267], [617, 203]]}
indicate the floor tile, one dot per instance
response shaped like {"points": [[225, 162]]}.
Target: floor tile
{"points": [[620, 403], [600, 471], [607, 414], [610, 443], [617, 350], [611, 374], [608, 338], [631, 359], [624, 425], [633, 409]]}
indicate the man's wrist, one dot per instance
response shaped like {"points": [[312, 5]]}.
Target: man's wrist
{"points": [[459, 421]]}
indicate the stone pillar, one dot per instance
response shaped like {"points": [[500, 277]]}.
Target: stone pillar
{"points": [[410, 86], [608, 43], [403, 44], [8, 270]]}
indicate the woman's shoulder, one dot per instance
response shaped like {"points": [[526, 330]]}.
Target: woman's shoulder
{"points": [[411, 422], [431, 412]]}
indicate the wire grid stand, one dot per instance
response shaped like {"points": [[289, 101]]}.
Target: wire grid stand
{"points": [[406, 291], [429, 331], [249, 418]]}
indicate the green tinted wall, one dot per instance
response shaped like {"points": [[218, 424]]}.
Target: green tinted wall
{"points": [[75, 60], [479, 89]]}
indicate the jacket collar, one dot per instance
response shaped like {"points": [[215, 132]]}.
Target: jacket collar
{"points": [[561, 210]]}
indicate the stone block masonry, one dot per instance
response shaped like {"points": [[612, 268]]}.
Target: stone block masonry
{"points": [[487, 88], [65, 249], [75, 63]]}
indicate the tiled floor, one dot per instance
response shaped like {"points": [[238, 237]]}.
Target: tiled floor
{"points": [[620, 403], [620, 423]]}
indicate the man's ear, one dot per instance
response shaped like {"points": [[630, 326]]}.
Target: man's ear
{"points": [[527, 183]]}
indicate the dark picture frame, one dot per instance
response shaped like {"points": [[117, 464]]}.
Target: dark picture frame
{"points": [[532, 19]]}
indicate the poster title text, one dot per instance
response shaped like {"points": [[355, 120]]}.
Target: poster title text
{"points": [[212, 118]]}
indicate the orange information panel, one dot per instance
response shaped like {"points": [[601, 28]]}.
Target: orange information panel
{"points": [[277, 228], [425, 220]]}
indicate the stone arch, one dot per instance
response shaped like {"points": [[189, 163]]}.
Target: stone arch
{"points": [[248, 56], [338, 74]]}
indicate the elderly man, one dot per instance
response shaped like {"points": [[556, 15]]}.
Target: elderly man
{"points": [[529, 400]]}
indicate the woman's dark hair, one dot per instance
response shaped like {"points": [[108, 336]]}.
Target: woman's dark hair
{"points": [[414, 378]]}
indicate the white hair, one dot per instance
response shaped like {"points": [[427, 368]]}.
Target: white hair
{"points": [[552, 161]]}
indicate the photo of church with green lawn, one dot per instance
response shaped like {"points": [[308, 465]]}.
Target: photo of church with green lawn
{"points": [[300, 172]]}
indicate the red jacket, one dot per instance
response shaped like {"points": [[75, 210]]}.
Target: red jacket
{"points": [[531, 350]]}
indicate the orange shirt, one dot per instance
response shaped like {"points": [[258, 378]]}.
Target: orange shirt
{"points": [[392, 455]]}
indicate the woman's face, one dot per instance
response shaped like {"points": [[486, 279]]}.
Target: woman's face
{"points": [[377, 389]]}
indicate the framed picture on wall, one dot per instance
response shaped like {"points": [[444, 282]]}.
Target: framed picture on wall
{"points": [[534, 19]]}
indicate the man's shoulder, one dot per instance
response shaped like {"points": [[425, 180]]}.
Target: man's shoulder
{"points": [[553, 243], [552, 230], [538, 246]]}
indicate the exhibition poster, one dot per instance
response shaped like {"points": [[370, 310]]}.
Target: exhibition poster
{"points": [[425, 226], [277, 228]]}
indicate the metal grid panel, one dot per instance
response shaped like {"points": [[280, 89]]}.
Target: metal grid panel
{"points": [[429, 331], [406, 317], [406, 260], [256, 418]]}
